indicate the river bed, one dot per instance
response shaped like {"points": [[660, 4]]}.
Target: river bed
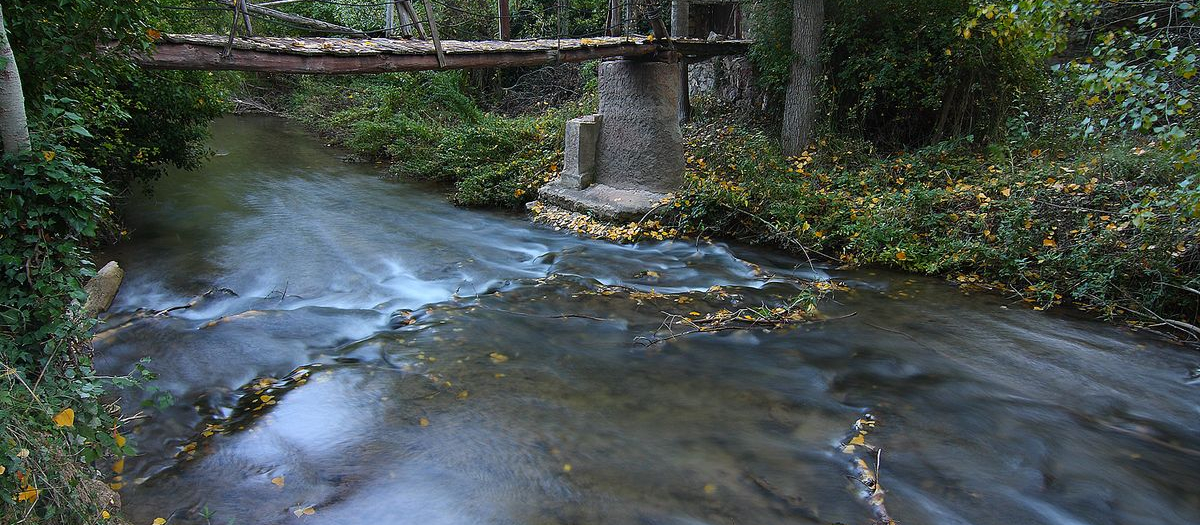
{"points": [[369, 354]]}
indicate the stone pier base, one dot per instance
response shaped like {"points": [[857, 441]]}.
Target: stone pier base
{"points": [[622, 162]]}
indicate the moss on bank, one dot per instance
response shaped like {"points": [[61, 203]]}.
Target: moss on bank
{"points": [[1059, 223]]}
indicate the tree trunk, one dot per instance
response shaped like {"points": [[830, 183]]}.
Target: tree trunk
{"points": [[14, 128], [799, 109], [679, 29]]}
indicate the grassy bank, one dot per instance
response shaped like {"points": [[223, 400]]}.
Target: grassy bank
{"points": [[1049, 223]]}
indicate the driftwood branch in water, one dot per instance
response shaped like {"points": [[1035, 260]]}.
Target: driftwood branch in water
{"points": [[864, 473], [195, 301], [709, 326]]}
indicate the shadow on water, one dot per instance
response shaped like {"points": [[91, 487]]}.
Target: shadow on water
{"points": [[388, 358]]}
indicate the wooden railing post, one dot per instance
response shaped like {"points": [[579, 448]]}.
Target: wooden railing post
{"points": [[505, 20]]}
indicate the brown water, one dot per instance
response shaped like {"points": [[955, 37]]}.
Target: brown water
{"points": [[424, 364]]}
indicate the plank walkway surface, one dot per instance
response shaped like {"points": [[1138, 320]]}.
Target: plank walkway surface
{"points": [[381, 55]]}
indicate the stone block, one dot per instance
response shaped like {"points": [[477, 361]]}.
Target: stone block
{"points": [[579, 152]]}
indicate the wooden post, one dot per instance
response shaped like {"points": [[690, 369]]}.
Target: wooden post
{"points": [[389, 19], [437, 42], [628, 25], [505, 20], [415, 21], [680, 26]]}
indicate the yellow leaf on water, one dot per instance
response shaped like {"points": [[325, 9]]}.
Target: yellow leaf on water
{"points": [[858, 440], [66, 418], [159, 521], [497, 357], [423, 422], [277, 480], [567, 467], [463, 394], [710, 488], [306, 511]]}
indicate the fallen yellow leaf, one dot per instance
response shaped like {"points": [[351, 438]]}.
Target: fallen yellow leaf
{"points": [[66, 418], [423, 422], [1049, 243], [306, 511], [567, 467], [900, 255], [119, 466], [104, 514], [277, 480], [497, 357], [119, 439], [29, 494], [159, 521]]}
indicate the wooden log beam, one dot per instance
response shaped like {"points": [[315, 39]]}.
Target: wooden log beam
{"points": [[333, 56], [202, 57]]}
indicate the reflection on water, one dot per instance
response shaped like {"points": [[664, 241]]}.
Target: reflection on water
{"points": [[382, 357]]}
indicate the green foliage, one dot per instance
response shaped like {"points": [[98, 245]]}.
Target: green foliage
{"points": [[428, 129], [53, 206], [1131, 67], [140, 120], [900, 81], [1045, 225]]}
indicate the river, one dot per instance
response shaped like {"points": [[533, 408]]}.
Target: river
{"points": [[373, 355]]}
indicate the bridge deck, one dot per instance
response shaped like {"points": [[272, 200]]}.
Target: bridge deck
{"points": [[382, 55]]}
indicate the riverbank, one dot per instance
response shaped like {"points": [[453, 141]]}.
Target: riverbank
{"points": [[1045, 222]]}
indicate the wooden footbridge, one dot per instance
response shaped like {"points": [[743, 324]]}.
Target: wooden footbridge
{"points": [[408, 43]]}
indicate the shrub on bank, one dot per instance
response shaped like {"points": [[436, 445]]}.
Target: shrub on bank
{"points": [[56, 423], [1092, 225], [426, 128]]}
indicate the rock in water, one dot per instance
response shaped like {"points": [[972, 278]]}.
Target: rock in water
{"points": [[102, 288]]}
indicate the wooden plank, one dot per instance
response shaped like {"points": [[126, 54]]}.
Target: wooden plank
{"points": [[210, 58]]}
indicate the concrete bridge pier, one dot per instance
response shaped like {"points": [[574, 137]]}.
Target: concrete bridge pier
{"points": [[622, 161]]}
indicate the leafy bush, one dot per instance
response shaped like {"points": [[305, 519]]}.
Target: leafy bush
{"points": [[1047, 226], [428, 129], [55, 422]]}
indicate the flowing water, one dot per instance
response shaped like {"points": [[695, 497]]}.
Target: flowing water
{"points": [[372, 355]]}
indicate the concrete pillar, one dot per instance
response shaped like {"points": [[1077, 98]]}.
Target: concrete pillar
{"points": [[638, 150], [641, 147]]}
